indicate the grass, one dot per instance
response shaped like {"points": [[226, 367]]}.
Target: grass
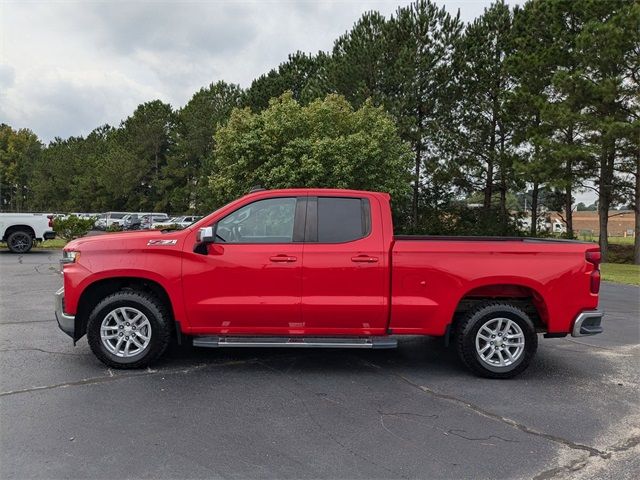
{"points": [[612, 240], [55, 243], [621, 273]]}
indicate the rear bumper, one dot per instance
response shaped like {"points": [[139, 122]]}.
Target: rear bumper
{"points": [[588, 323], [65, 322], [49, 235]]}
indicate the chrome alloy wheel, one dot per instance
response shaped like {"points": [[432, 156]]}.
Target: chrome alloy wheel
{"points": [[125, 332], [500, 342]]}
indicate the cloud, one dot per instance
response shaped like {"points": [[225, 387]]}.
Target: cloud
{"points": [[7, 76], [68, 67]]}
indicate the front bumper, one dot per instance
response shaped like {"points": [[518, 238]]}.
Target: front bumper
{"points": [[588, 323], [65, 322], [49, 235]]}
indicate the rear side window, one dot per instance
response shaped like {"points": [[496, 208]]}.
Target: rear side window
{"points": [[342, 219]]}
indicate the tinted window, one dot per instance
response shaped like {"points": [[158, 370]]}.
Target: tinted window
{"points": [[264, 221], [342, 219], [118, 216]]}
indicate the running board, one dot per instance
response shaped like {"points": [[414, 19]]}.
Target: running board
{"points": [[296, 342]]}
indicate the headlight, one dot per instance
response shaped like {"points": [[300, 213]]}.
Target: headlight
{"points": [[70, 256]]}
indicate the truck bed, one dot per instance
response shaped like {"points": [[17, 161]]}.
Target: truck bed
{"points": [[469, 238]]}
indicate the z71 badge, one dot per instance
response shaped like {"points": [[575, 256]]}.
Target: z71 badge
{"points": [[160, 243]]}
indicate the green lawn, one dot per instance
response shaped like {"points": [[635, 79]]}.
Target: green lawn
{"points": [[612, 240], [621, 273], [55, 243]]}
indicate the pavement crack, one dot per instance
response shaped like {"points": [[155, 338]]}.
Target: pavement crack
{"points": [[580, 463], [321, 428], [507, 421], [626, 444], [20, 322], [460, 432], [43, 351], [115, 378]]}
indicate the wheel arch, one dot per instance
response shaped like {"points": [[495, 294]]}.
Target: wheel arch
{"points": [[93, 293], [522, 294], [18, 228]]}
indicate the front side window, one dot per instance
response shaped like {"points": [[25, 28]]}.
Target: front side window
{"points": [[342, 219], [265, 221]]}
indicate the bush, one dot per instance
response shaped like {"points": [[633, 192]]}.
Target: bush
{"points": [[114, 227], [173, 226], [72, 227]]}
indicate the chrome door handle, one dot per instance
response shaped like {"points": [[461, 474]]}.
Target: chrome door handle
{"points": [[364, 259], [283, 258]]}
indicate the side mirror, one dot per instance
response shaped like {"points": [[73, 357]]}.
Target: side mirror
{"points": [[206, 235]]}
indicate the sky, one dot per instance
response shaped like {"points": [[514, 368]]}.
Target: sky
{"points": [[67, 67]]}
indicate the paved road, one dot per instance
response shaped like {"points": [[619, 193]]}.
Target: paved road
{"points": [[413, 412]]}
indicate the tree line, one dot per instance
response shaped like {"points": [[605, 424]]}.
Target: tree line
{"points": [[536, 101]]}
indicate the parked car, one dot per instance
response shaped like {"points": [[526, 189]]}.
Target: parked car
{"points": [[322, 268], [108, 219], [147, 221], [21, 230], [181, 222], [143, 221]]}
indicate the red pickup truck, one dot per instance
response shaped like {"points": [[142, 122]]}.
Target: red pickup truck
{"points": [[322, 268]]}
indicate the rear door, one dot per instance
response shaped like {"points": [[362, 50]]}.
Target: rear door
{"points": [[345, 285]]}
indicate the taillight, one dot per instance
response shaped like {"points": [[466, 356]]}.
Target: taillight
{"points": [[50, 217], [594, 258]]}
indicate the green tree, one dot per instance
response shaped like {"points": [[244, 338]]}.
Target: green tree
{"points": [[608, 46], [298, 75], [324, 144], [147, 133], [358, 67], [484, 121], [420, 40], [19, 153], [197, 122]]}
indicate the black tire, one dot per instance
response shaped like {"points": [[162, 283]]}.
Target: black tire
{"points": [[484, 314], [155, 311], [20, 241]]}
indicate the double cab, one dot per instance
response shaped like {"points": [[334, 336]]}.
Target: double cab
{"points": [[323, 268]]}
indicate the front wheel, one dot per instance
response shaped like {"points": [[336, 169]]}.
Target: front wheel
{"points": [[497, 340], [129, 329]]}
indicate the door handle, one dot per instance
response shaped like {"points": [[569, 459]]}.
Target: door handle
{"points": [[283, 258], [364, 259]]}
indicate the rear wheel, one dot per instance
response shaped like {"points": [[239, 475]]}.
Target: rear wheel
{"points": [[20, 241], [129, 329], [497, 340]]}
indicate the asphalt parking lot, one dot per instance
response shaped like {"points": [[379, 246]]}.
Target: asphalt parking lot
{"points": [[414, 412]]}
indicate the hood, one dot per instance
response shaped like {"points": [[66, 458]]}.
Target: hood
{"points": [[123, 240]]}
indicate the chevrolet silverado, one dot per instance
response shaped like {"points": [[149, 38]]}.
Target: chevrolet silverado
{"points": [[322, 268]]}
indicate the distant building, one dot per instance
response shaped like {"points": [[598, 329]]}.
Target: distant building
{"points": [[585, 223], [621, 224]]}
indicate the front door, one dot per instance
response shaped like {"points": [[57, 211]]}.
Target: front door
{"points": [[251, 279]]}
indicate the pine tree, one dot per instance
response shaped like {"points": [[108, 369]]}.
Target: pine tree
{"points": [[484, 123], [420, 41], [608, 47], [193, 141]]}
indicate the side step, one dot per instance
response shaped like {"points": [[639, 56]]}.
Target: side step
{"points": [[296, 342]]}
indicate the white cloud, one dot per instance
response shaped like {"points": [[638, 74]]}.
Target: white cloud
{"points": [[68, 67]]}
